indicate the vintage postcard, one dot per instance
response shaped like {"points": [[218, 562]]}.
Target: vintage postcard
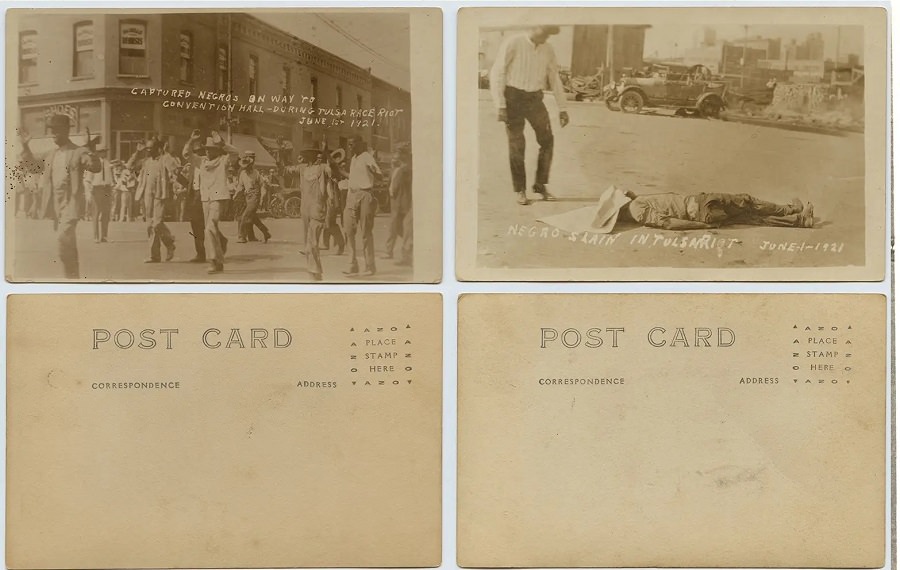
{"points": [[230, 431], [263, 145], [672, 431], [657, 144]]}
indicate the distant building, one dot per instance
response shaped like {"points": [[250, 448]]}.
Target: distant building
{"points": [[582, 49], [96, 77]]}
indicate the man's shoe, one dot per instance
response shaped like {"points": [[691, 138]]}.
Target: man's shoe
{"points": [[387, 256], [151, 260], [103, 240], [542, 190], [807, 219], [241, 240], [197, 259], [316, 276], [521, 199], [352, 271], [797, 205], [266, 237], [224, 243], [215, 267], [368, 273], [170, 252]]}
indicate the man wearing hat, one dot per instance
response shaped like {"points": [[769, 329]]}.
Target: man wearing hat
{"points": [[525, 65], [101, 184], [193, 154], [63, 186], [251, 182], [155, 180], [212, 181], [401, 204], [361, 204]]}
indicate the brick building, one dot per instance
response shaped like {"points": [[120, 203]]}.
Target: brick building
{"points": [[99, 69]]}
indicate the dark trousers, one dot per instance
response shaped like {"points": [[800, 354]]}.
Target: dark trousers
{"points": [[522, 106], [249, 218], [100, 210], [718, 209], [333, 229], [195, 215]]}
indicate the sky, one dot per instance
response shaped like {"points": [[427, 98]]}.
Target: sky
{"points": [[671, 41], [379, 41]]}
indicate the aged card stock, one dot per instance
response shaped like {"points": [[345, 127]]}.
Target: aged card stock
{"points": [[672, 430], [751, 144], [175, 132], [223, 431]]}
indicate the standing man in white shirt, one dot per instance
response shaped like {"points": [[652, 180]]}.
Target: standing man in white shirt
{"points": [[525, 66], [361, 204], [101, 192]]}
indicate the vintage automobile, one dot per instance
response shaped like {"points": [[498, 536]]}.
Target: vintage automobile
{"points": [[688, 90]]}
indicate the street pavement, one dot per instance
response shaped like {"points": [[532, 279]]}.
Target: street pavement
{"points": [[121, 259], [658, 152]]}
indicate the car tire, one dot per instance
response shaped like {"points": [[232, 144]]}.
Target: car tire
{"points": [[292, 207], [631, 102], [710, 108]]}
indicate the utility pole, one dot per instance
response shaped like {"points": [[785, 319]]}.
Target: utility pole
{"points": [[744, 55], [609, 52], [229, 85]]}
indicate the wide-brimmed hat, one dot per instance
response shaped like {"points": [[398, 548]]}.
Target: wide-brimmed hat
{"points": [[59, 121], [100, 148], [247, 157], [550, 30], [116, 162]]}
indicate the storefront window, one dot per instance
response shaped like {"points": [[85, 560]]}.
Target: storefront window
{"points": [[28, 56], [127, 142], [253, 74], [133, 47], [314, 85], [286, 81], [339, 96], [222, 68], [186, 53], [83, 59]]}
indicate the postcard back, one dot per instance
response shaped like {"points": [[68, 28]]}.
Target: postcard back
{"points": [[223, 431], [672, 431]]}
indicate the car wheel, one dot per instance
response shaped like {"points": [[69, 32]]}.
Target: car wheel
{"points": [[276, 207], [631, 102], [292, 207], [710, 108]]}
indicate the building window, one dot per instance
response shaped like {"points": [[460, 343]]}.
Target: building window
{"points": [[28, 57], [253, 75], [186, 52], [222, 68], [340, 97], [286, 81], [314, 84], [133, 47], [359, 101], [83, 58]]}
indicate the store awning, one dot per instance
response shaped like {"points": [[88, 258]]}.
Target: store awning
{"points": [[241, 143]]}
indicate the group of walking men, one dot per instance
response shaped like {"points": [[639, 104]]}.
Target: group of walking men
{"points": [[73, 176]]}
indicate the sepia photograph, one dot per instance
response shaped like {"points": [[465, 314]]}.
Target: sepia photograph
{"points": [[683, 144], [225, 146]]}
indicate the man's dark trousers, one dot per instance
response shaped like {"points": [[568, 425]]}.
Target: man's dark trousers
{"points": [[522, 106]]}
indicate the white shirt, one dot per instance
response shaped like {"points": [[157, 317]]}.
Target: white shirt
{"points": [[526, 66], [361, 178]]}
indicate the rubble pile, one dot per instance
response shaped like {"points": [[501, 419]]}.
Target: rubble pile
{"points": [[816, 104]]}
